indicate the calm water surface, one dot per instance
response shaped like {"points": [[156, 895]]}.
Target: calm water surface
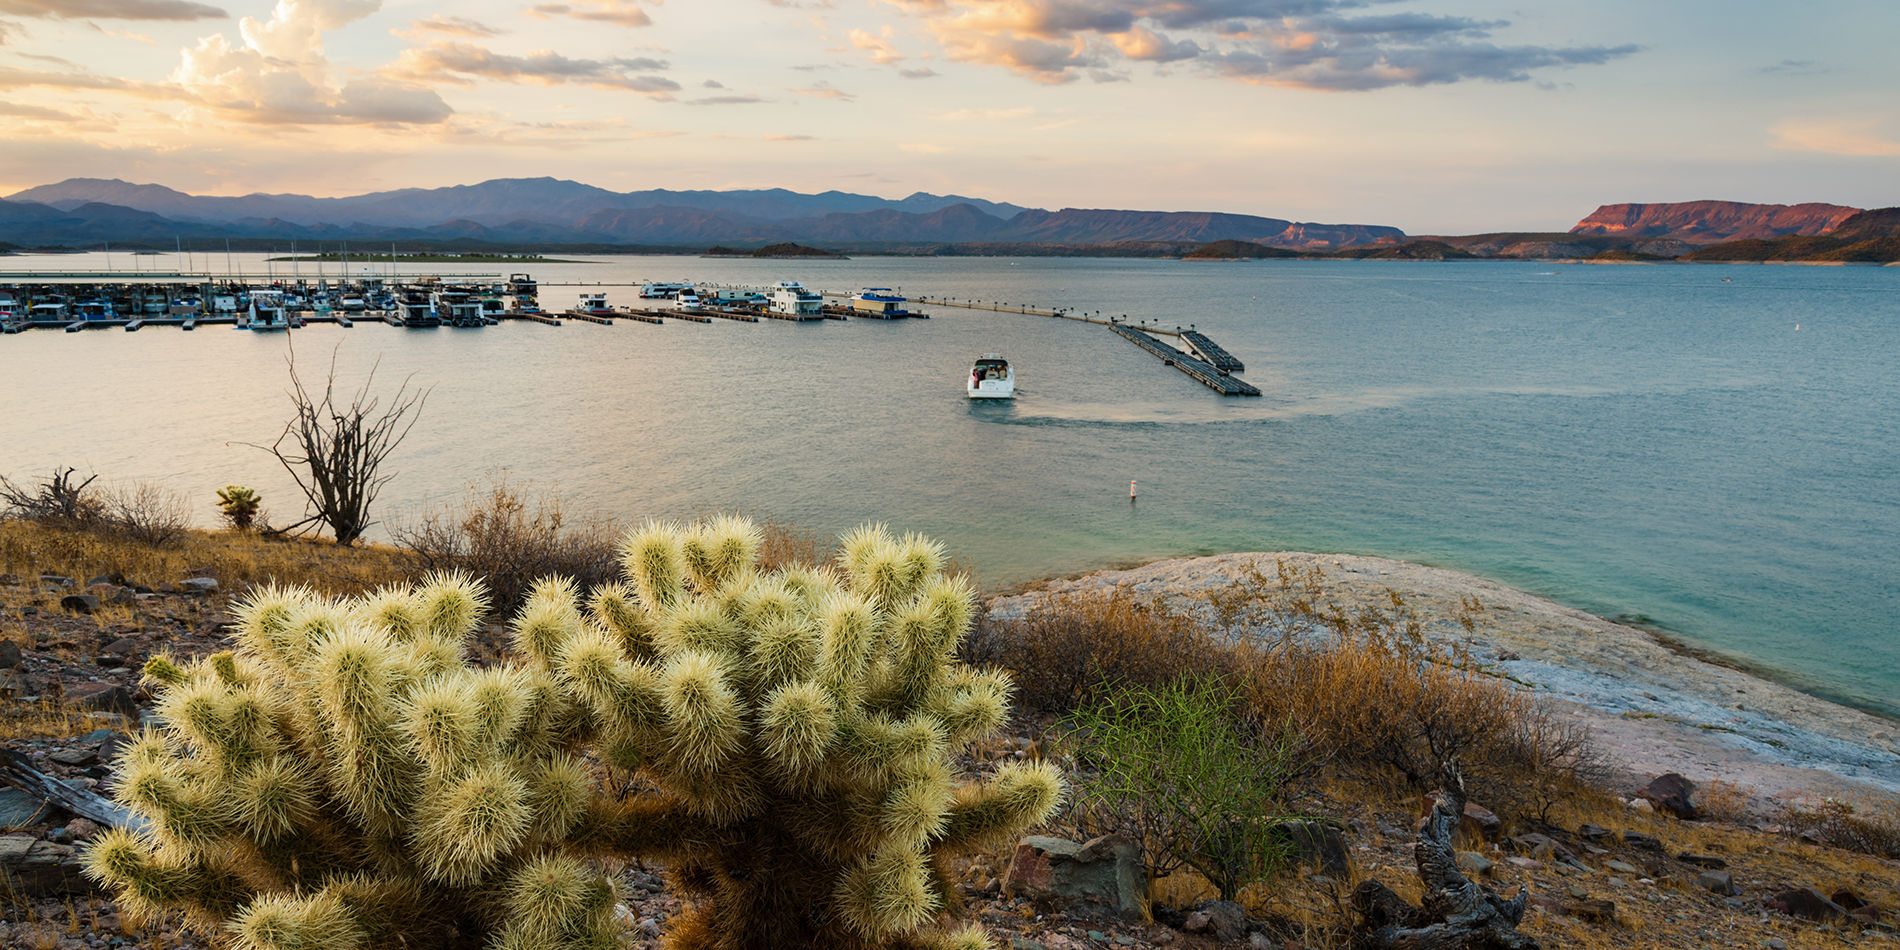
{"points": [[1719, 457]]}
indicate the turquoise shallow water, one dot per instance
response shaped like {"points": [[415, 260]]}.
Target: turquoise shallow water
{"points": [[1642, 441]]}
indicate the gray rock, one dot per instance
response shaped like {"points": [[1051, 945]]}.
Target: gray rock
{"points": [[104, 697], [17, 808], [55, 580], [79, 603], [1473, 863], [1622, 868], [122, 648], [74, 757], [1104, 871], [1716, 882], [199, 585], [35, 868], [1671, 794], [10, 655], [1709, 861], [1228, 919], [1809, 904], [1317, 844]]}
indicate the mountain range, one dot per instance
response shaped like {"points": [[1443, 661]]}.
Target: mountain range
{"points": [[534, 213], [547, 211], [1709, 222]]}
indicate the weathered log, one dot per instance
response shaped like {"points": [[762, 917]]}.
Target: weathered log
{"points": [[1456, 914], [18, 770]]}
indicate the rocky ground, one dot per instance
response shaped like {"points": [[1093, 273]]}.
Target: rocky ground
{"points": [[70, 650]]}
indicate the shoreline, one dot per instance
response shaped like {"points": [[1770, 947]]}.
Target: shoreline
{"points": [[1653, 703]]}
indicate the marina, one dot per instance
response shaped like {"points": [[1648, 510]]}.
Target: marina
{"points": [[269, 303]]}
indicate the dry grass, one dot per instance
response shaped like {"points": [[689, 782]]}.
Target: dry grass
{"points": [[236, 559]]}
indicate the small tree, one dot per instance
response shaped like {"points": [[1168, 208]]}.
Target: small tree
{"points": [[1180, 770], [239, 506], [336, 450]]}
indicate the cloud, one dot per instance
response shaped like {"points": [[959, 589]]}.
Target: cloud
{"points": [[881, 50], [745, 100], [449, 25], [921, 73], [791, 138], [1311, 44], [112, 10], [37, 112], [279, 75], [1793, 67], [597, 11], [823, 90], [713, 84], [1847, 135], [463, 63]]}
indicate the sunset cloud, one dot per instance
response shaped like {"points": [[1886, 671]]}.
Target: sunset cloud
{"points": [[880, 49], [449, 26], [823, 90], [279, 75], [463, 64], [599, 11], [1311, 44], [112, 10]]}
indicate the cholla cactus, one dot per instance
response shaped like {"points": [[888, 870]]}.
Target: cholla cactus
{"points": [[799, 726], [346, 780]]}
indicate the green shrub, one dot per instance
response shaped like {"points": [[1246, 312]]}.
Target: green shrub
{"points": [[239, 506], [1182, 770]]}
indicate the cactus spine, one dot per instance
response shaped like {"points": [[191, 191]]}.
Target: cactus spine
{"points": [[799, 726], [346, 780]]}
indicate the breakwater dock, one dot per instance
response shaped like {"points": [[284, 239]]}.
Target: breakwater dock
{"points": [[75, 302], [1204, 361]]}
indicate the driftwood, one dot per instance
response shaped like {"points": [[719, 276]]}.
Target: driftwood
{"points": [[18, 770], [1457, 914]]}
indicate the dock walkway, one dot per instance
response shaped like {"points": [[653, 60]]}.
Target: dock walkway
{"points": [[1209, 352], [1205, 373]]}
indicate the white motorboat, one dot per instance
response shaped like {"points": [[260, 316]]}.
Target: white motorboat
{"points": [[595, 303], [991, 378]]}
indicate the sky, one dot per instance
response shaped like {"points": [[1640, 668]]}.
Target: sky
{"points": [[1435, 116]]}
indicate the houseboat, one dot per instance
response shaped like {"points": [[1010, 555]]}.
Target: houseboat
{"points": [[268, 312], [416, 310], [595, 303], [793, 298], [455, 307], [879, 302]]}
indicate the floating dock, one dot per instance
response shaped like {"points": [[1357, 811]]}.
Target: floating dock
{"points": [[1214, 379], [1209, 352], [609, 321]]}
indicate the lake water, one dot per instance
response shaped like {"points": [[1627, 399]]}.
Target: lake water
{"points": [[1719, 457]]}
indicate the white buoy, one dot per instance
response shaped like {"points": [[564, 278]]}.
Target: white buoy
{"points": [[1131, 491]]}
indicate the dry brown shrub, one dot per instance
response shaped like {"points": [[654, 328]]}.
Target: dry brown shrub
{"points": [[510, 536], [1868, 822], [1064, 648], [142, 512]]}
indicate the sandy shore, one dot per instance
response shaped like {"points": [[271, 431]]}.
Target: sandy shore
{"points": [[1652, 708]]}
